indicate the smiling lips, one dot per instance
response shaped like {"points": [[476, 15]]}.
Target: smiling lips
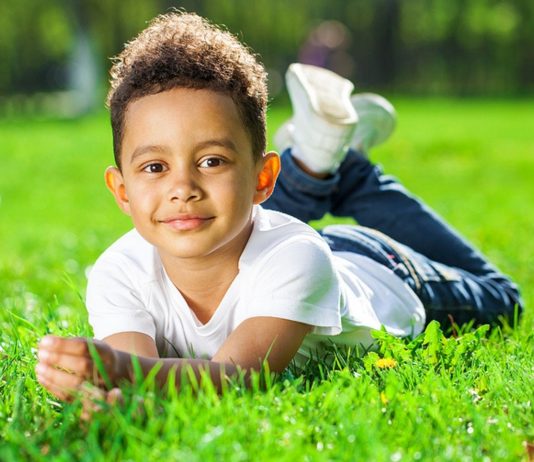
{"points": [[186, 222]]}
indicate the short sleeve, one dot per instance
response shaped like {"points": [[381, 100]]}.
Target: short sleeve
{"points": [[114, 299], [297, 281]]}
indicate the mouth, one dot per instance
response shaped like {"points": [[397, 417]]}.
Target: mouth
{"points": [[186, 222]]}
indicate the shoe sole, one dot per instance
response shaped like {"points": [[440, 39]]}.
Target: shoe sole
{"points": [[323, 89], [377, 120]]}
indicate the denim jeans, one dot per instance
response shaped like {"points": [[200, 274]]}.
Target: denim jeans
{"points": [[452, 279]]}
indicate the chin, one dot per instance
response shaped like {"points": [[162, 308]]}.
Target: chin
{"points": [[188, 251]]}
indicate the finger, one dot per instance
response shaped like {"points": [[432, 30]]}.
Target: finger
{"points": [[76, 346], [60, 391], [73, 345], [58, 379], [92, 400], [88, 409], [80, 365], [91, 396], [89, 391], [115, 396], [71, 377]]}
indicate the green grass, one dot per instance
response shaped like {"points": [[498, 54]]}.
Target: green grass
{"points": [[446, 399]]}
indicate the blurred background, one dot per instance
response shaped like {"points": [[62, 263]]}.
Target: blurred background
{"points": [[55, 54]]}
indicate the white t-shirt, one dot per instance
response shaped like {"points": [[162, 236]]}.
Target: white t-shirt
{"points": [[286, 270]]}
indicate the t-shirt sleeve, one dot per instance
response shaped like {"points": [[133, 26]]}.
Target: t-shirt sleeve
{"points": [[297, 281], [114, 299]]}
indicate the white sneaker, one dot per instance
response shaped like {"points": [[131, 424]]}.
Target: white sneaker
{"points": [[323, 117], [283, 138], [377, 120]]}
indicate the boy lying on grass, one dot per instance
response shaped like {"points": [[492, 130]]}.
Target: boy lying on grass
{"points": [[212, 280]]}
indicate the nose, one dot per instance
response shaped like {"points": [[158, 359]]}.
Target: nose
{"points": [[184, 186]]}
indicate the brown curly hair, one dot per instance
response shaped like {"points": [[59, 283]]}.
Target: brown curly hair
{"points": [[183, 50]]}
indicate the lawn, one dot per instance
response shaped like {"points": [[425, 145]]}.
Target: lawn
{"points": [[465, 398]]}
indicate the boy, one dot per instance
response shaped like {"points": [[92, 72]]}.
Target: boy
{"points": [[209, 279]]}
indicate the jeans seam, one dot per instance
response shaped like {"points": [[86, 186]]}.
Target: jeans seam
{"points": [[410, 266]]}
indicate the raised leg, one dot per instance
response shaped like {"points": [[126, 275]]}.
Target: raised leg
{"points": [[379, 201], [449, 275]]}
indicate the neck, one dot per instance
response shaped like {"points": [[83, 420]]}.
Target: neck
{"points": [[201, 277], [204, 281], [204, 289]]}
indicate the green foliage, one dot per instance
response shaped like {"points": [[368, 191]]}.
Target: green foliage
{"points": [[434, 397], [428, 46], [432, 349]]}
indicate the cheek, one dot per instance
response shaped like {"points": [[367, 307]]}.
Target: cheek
{"points": [[142, 200], [240, 195]]}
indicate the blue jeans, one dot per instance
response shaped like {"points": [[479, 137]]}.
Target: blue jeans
{"points": [[452, 279]]}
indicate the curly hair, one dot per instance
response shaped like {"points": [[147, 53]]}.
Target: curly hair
{"points": [[183, 50]]}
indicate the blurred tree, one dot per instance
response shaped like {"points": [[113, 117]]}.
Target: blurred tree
{"points": [[35, 40], [426, 46]]}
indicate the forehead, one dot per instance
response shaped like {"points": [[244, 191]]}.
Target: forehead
{"points": [[183, 117]]}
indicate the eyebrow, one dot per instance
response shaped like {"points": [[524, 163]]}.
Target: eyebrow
{"points": [[222, 142], [139, 151]]}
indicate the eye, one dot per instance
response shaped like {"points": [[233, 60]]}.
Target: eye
{"points": [[212, 162], [155, 167]]}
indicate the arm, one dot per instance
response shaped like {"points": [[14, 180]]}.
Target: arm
{"points": [[259, 338], [134, 343], [254, 340], [66, 363]]}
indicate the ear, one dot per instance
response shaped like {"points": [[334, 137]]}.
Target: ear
{"points": [[267, 177], [115, 183]]}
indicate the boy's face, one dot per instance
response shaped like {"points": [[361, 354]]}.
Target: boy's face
{"points": [[189, 179]]}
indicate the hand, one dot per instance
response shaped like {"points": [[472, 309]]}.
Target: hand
{"points": [[65, 364], [93, 398]]}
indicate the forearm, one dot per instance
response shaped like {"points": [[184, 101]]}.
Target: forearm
{"points": [[181, 368]]}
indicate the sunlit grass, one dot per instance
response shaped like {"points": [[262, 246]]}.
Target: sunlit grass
{"points": [[446, 399]]}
